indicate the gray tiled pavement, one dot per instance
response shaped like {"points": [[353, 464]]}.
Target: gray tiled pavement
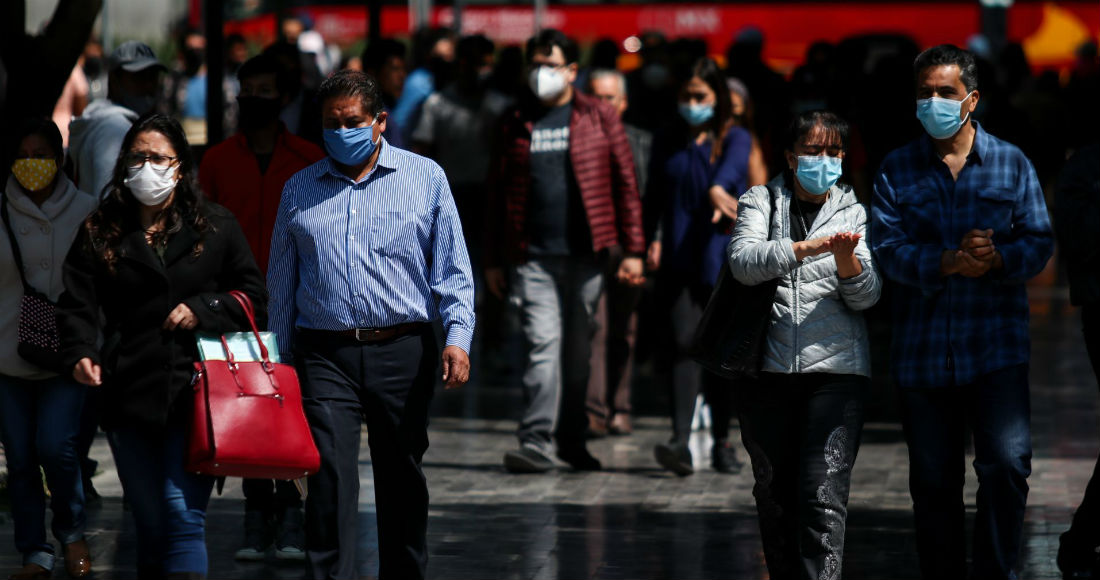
{"points": [[633, 520]]}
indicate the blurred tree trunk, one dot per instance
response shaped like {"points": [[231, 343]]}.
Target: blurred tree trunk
{"points": [[38, 66]]}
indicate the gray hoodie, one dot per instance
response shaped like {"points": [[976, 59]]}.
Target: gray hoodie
{"points": [[44, 235], [94, 142]]}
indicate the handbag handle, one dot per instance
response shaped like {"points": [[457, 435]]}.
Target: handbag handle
{"points": [[250, 313]]}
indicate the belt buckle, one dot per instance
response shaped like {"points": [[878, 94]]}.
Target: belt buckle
{"points": [[366, 334]]}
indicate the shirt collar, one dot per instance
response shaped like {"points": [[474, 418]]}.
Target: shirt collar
{"points": [[387, 159], [977, 150]]}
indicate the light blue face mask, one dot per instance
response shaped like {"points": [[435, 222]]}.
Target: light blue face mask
{"points": [[351, 146], [818, 173], [940, 116], [696, 115]]}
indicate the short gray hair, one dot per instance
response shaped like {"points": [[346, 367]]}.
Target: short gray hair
{"points": [[606, 73]]}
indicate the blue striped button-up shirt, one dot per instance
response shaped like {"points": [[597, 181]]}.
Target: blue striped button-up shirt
{"points": [[386, 250], [949, 331]]}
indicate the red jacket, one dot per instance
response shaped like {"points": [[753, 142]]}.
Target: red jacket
{"points": [[604, 169], [230, 175]]}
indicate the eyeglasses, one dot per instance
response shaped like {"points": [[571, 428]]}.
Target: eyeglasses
{"points": [[135, 160]]}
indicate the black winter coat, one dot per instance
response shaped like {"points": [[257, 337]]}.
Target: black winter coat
{"points": [[147, 371]]}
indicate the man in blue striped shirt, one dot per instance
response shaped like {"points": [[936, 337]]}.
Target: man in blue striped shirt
{"points": [[367, 250], [959, 223]]}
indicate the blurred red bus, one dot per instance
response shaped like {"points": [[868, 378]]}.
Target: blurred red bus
{"points": [[1050, 31]]}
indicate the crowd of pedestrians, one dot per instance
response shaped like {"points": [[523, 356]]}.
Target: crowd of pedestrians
{"points": [[382, 193]]}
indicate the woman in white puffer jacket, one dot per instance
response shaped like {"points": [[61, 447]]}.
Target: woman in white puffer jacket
{"points": [[801, 418]]}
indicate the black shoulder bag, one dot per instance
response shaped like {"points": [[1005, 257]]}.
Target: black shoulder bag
{"points": [[39, 341], [729, 340]]}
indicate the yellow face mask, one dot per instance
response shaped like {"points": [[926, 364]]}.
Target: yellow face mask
{"points": [[34, 174]]}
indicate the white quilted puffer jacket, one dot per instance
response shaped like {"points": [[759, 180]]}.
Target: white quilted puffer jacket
{"points": [[816, 325]]}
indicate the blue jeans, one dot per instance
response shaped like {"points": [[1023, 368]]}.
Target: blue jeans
{"points": [[39, 420], [998, 409], [168, 503]]}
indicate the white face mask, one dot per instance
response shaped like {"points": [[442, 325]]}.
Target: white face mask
{"points": [[547, 82], [150, 185]]}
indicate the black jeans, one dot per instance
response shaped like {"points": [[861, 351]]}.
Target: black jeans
{"points": [[1084, 533], [684, 304], [270, 496], [998, 409], [802, 433], [389, 384]]}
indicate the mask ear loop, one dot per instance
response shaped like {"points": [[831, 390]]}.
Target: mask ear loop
{"points": [[966, 119]]}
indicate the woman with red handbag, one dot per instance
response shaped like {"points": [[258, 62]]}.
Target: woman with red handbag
{"points": [[160, 263], [39, 408]]}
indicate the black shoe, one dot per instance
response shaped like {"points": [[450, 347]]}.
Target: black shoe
{"points": [[723, 457], [257, 537], [675, 457], [291, 542], [578, 457], [1077, 561], [527, 460]]}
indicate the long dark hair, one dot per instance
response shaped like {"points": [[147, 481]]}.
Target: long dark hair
{"points": [[707, 70], [120, 211]]}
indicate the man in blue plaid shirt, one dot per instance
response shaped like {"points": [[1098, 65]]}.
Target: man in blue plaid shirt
{"points": [[959, 223]]}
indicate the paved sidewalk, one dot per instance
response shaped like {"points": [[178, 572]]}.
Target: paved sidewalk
{"points": [[635, 521]]}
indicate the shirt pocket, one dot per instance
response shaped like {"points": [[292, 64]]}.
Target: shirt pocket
{"points": [[921, 214], [995, 205], [393, 233]]}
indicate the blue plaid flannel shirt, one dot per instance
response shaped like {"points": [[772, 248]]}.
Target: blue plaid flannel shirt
{"points": [[949, 331]]}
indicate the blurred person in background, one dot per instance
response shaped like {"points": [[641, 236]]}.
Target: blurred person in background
{"points": [[745, 61], [150, 268], [699, 168], [74, 99], [293, 29], [959, 224], [743, 117], [456, 128], [1077, 215], [563, 209], [95, 70], [301, 115], [608, 399], [1081, 92], [507, 78], [236, 53], [802, 416], [186, 87], [246, 174], [433, 59], [95, 137], [604, 55], [40, 410], [811, 81], [384, 59], [654, 80], [312, 44]]}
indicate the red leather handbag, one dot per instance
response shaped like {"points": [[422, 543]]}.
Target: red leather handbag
{"points": [[248, 419]]}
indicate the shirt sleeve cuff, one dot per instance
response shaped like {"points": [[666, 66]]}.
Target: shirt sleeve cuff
{"points": [[460, 336], [928, 268]]}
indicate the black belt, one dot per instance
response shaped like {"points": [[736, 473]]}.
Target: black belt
{"points": [[370, 335]]}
